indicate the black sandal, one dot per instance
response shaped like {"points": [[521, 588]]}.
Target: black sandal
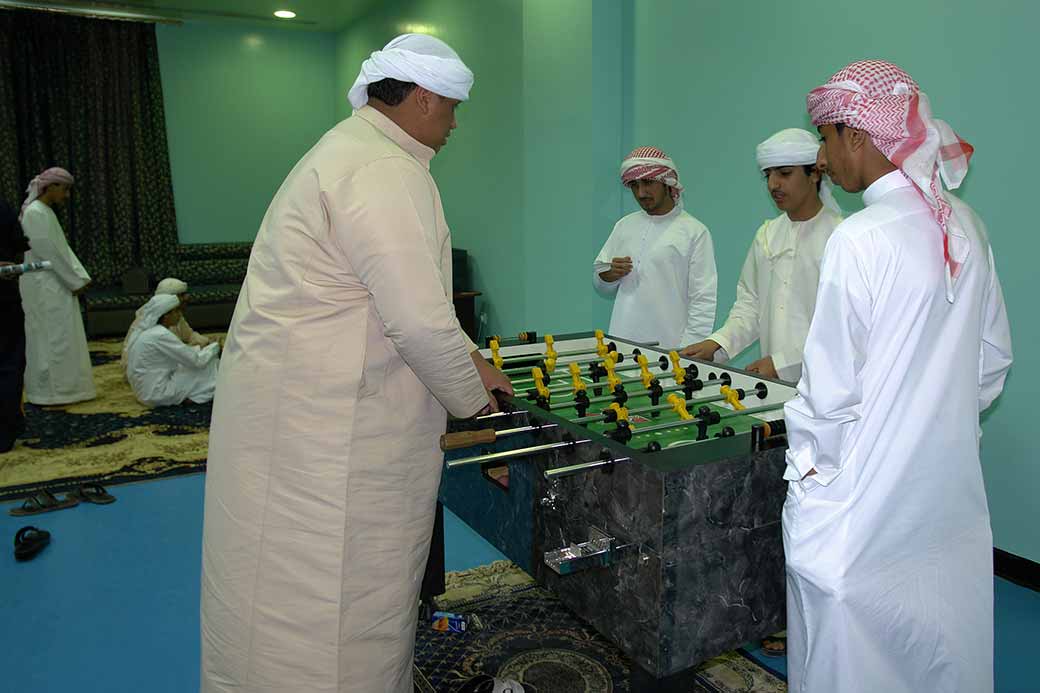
{"points": [[43, 502], [92, 493], [29, 541]]}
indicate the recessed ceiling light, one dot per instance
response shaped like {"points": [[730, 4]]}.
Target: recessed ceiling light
{"points": [[285, 14]]}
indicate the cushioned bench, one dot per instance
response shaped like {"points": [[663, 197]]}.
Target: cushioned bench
{"points": [[213, 271]]}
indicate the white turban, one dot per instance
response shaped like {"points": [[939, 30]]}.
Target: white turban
{"points": [[796, 147], [171, 286], [418, 58], [149, 314]]}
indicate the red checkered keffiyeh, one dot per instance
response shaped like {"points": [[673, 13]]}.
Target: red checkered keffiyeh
{"points": [[38, 184], [883, 100], [650, 163]]}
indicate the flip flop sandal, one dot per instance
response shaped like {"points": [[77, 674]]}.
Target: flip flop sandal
{"points": [[92, 493], [778, 649], [43, 502], [29, 541]]}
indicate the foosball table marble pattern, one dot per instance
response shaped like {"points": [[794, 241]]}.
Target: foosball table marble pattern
{"points": [[667, 541]]}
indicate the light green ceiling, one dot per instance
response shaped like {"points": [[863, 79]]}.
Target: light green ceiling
{"points": [[311, 15]]}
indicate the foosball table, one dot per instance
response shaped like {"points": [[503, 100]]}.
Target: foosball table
{"points": [[642, 488]]}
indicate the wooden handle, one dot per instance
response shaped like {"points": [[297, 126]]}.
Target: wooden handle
{"points": [[465, 439]]}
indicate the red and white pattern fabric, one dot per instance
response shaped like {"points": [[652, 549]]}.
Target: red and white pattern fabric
{"points": [[39, 184], [882, 99], [650, 163]]}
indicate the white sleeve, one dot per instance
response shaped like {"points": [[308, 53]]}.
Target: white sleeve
{"points": [[49, 243], [742, 327], [830, 391], [702, 290], [376, 223], [170, 345], [602, 264], [995, 350]]}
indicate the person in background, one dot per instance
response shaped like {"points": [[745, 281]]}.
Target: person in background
{"points": [[13, 244], [162, 370], [776, 293], [58, 369], [173, 287], [658, 263]]}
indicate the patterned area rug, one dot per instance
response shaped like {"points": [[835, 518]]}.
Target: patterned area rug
{"points": [[112, 439], [520, 631]]}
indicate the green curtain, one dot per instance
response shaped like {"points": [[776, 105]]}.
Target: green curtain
{"points": [[85, 94]]}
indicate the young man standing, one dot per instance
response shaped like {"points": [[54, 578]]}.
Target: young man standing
{"points": [[886, 528], [776, 293], [58, 367], [659, 263]]}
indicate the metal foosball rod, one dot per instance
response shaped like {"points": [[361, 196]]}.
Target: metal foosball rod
{"points": [[500, 414], [590, 351], [550, 353], [611, 398], [760, 390], [550, 356], [488, 436], [580, 362], [571, 469], [661, 363], [697, 420], [519, 452]]}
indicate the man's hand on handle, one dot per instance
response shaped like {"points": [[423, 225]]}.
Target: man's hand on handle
{"points": [[494, 381]]}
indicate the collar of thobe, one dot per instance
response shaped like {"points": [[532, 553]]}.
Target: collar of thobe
{"points": [[810, 220], [392, 130], [662, 218], [884, 185]]}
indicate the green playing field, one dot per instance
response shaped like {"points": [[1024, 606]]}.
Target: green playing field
{"points": [[638, 399]]}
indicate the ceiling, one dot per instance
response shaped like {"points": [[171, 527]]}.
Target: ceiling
{"points": [[311, 15]]}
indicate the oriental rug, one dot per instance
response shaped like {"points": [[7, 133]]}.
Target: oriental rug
{"points": [[112, 439], [518, 630]]}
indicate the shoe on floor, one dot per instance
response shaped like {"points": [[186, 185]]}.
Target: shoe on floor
{"points": [[29, 541], [43, 502], [92, 493]]}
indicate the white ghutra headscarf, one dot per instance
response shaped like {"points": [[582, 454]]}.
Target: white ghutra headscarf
{"points": [[796, 147], [418, 58], [149, 315]]}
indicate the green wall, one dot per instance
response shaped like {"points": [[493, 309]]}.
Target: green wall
{"points": [[713, 79], [573, 106], [564, 89], [242, 106], [528, 179], [479, 172]]}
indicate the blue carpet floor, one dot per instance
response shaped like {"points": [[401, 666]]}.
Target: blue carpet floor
{"points": [[112, 604]]}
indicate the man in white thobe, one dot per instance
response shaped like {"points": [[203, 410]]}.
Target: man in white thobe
{"points": [[886, 528], [342, 358], [658, 263], [57, 359], [776, 292], [184, 332], [162, 370]]}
